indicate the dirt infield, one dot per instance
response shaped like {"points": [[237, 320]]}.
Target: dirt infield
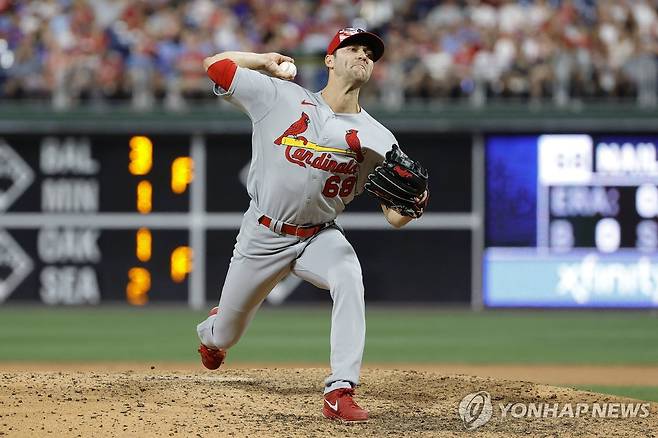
{"points": [[557, 374], [282, 402]]}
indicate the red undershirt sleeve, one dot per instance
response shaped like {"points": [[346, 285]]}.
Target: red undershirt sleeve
{"points": [[222, 73], [251, 91]]}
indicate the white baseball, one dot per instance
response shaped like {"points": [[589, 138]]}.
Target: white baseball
{"points": [[288, 68]]}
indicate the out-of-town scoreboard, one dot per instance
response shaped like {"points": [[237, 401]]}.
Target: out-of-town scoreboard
{"points": [[91, 217]]}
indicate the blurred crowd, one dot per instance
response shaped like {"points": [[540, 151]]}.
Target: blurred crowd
{"points": [[150, 52]]}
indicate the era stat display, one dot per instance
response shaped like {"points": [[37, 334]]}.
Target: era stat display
{"points": [[572, 220]]}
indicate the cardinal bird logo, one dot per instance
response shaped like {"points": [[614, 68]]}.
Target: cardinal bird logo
{"points": [[295, 129], [404, 173], [354, 144]]}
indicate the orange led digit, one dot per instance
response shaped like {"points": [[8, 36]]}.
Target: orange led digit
{"points": [[182, 174], [144, 244], [141, 155], [144, 197], [181, 263], [138, 286]]}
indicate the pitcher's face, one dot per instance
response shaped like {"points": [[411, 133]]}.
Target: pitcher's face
{"points": [[352, 64]]}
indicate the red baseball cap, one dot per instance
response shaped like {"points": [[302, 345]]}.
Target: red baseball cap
{"points": [[352, 35]]}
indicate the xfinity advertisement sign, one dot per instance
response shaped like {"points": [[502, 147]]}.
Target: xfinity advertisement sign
{"points": [[521, 277]]}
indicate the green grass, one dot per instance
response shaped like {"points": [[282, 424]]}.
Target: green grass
{"points": [[302, 335], [648, 393]]}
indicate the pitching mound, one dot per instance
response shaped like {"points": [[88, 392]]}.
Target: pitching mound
{"points": [[287, 402]]}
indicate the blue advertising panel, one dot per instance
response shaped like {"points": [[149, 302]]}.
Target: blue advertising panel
{"points": [[571, 221]]}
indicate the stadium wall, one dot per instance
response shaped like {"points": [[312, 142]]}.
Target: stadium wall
{"points": [[442, 253]]}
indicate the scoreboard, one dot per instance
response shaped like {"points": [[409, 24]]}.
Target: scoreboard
{"points": [[88, 216], [571, 221]]}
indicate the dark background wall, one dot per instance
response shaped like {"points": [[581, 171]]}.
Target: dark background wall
{"points": [[409, 265]]}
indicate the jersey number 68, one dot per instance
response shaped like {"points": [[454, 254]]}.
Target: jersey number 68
{"points": [[333, 186]]}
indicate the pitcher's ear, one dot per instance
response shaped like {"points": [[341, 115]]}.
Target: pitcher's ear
{"points": [[329, 61]]}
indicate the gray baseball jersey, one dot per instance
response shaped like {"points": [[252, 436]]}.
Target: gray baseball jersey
{"points": [[307, 164]]}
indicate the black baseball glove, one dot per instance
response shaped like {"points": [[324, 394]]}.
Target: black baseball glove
{"points": [[400, 183]]}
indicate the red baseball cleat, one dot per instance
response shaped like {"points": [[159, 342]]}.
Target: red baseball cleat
{"points": [[339, 405], [212, 358]]}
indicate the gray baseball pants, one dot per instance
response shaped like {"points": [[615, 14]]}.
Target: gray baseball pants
{"points": [[262, 258]]}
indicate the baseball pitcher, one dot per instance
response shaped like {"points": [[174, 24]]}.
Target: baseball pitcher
{"points": [[311, 154]]}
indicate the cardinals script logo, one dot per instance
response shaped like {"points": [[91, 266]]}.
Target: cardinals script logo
{"points": [[299, 150], [304, 153]]}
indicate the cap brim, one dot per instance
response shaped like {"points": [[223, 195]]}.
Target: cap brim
{"points": [[367, 39]]}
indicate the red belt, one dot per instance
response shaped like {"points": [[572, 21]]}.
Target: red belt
{"points": [[294, 230]]}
